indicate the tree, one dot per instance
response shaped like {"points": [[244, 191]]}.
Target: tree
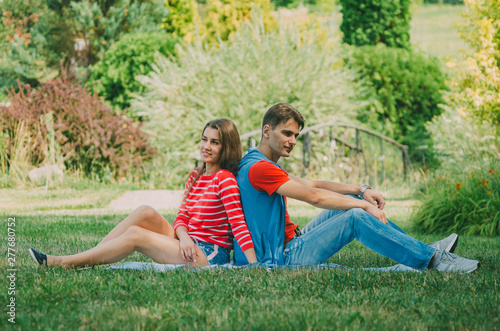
{"points": [[369, 22], [476, 84], [39, 34]]}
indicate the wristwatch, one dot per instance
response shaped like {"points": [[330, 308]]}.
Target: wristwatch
{"points": [[363, 189]]}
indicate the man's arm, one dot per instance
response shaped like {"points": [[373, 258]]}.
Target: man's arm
{"points": [[373, 197], [327, 199]]}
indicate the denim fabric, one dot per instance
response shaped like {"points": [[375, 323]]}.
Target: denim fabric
{"points": [[215, 254], [331, 230]]}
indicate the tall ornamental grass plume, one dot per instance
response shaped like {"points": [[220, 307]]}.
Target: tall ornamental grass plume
{"points": [[463, 200], [241, 80], [456, 136]]}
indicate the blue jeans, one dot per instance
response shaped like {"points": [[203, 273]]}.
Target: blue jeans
{"points": [[331, 230]]}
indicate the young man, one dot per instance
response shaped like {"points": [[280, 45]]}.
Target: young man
{"points": [[264, 187]]}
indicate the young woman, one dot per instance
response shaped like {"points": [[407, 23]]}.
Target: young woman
{"points": [[208, 219]]}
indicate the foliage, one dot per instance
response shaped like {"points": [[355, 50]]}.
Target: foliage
{"points": [[90, 137], [463, 200], [134, 54], [323, 5], [286, 3], [218, 19], [475, 87], [369, 22], [100, 25], [241, 80], [42, 33], [22, 56], [452, 2], [182, 19], [457, 138], [406, 93], [224, 17]]}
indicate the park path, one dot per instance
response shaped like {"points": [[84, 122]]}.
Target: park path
{"points": [[158, 199]]}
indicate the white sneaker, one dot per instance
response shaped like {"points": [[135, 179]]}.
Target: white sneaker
{"points": [[447, 244], [449, 262]]}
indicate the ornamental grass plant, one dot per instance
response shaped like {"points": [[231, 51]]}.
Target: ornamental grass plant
{"points": [[241, 80], [464, 200]]}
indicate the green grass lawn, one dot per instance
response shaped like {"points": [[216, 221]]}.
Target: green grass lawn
{"points": [[434, 29], [54, 298]]}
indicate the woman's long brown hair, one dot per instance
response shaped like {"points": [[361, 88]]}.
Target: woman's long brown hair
{"points": [[231, 151]]}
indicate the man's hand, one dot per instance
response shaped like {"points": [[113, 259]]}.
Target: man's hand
{"points": [[375, 198], [377, 213]]}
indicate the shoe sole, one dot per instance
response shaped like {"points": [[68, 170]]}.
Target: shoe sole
{"points": [[33, 256], [478, 266], [451, 247]]}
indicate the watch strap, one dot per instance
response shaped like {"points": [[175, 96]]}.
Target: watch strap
{"points": [[363, 189]]}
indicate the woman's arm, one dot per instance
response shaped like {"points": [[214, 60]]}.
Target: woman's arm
{"points": [[250, 255], [229, 194]]}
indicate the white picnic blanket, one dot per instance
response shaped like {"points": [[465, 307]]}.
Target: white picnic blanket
{"points": [[158, 267]]}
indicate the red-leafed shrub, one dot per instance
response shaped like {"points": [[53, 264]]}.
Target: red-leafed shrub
{"points": [[90, 136]]}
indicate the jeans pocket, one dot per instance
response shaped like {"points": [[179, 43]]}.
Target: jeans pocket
{"points": [[292, 246]]}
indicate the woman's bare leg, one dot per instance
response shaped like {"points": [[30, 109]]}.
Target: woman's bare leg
{"points": [[146, 217], [161, 248]]}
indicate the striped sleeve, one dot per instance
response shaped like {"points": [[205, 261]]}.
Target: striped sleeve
{"points": [[229, 194], [182, 218]]}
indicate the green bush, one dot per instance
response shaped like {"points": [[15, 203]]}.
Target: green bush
{"points": [[406, 91], [370, 22], [464, 200], [320, 5], [89, 136], [35, 35], [241, 80], [134, 54]]}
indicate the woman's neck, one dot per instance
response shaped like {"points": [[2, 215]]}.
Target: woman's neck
{"points": [[211, 169]]}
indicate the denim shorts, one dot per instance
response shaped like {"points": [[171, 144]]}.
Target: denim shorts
{"points": [[215, 254]]}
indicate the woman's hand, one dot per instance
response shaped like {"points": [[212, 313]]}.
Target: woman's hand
{"points": [[187, 245], [188, 249]]}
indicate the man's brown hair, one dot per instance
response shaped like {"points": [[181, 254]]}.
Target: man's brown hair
{"points": [[282, 113]]}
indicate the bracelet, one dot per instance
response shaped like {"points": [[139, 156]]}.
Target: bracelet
{"points": [[363, 189]]}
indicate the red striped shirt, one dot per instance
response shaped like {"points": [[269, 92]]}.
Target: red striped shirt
{"points": [[212, 211]]}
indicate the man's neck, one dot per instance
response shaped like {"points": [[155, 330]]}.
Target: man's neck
{"points": [[267, 152]]}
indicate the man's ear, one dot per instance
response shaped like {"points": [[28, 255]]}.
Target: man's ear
{"points": [[265, 130]]}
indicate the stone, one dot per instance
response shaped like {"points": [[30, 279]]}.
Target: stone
{"points": [[41, 175]]}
